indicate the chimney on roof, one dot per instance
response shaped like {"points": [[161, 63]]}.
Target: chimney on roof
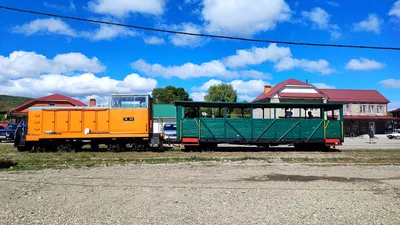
{"points": [[267, 88], [92, 102]]}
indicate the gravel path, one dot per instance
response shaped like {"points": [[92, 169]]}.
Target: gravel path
{"points": [[250, 192]]}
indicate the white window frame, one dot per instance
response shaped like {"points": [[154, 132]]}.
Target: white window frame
{"points": [[379, 107], [363, 107], [371, 108]]}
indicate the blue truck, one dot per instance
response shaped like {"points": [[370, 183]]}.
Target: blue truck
{"points": [[8, 132]]}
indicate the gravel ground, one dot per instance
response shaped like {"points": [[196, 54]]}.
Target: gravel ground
{"points": [[247, 192]]}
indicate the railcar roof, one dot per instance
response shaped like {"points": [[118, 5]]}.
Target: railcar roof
{"points": [[331, 105]]}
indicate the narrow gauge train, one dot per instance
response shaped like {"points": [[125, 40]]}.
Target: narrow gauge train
{"points": [[128, 123]]}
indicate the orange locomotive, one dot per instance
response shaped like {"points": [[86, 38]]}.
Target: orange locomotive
{"points": [[126, 123]]}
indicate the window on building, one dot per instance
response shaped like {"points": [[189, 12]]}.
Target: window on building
{"points": [[371, 109], [362, 108], [52, 104], [379, 109]]}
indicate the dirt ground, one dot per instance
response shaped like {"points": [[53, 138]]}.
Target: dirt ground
{"points": [[244, 192], [358, 185]]}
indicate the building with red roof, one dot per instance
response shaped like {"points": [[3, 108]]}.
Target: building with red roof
{"points": [[395, 113], [50, 100], [364, 108]]}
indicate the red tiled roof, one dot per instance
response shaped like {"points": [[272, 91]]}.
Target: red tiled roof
{"points": [[278, 87], [300, 95], [58, 97], [50, 98], [342, 95], [395, 110]]}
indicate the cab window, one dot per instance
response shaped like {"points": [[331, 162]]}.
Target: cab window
{"points": [[129, 102]]}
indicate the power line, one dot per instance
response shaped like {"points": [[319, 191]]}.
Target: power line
{"points": [[196, 34]]}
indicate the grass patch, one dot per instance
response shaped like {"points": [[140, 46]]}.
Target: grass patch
{"points": [[12, 160]]}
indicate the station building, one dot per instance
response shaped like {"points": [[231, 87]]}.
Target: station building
{"points": [[365, 108]]}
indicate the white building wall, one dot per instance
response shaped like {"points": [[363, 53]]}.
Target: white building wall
{"points": [[300, 89]]}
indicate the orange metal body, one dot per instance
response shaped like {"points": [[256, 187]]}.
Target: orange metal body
{"points": [[88, 123]]}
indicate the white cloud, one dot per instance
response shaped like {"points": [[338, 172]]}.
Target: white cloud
{"points": [[321, 20], [245, 98], [332, 3], [318, 16], [122, 8], [390, 83], [243, 17], [100, 99], [189, 70], [77, 86], [24, 64], [280, 56], [372, 23], [69, 8], [255, 56], [364, 64], [322, 66], [50, 25], [207, 85], [186, 40], [56, 26], [108, 32], [395, 10], [186, 71], [153, 40], [335, 32], [198, 96], [393, 106], [251, 87], [246, 90], [323, 86]]}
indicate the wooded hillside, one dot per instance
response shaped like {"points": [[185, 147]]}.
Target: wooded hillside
{"points": [[8, 102]]}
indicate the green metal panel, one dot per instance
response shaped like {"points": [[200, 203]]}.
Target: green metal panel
{"points": [[190, 127], [238, 128], [313, 128], [164, 110], [263, 128], [178, 121], [333, 129], [212, 128], [282, 126]]}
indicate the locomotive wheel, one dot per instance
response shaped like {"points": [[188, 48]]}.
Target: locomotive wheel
{"points": [[114, 147]]}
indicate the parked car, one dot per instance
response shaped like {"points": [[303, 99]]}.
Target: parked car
{"points": [[7, 133], [395, 134], [169, 131]]}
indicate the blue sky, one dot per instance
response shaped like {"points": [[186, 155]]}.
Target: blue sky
{"points": [[41, 55]]}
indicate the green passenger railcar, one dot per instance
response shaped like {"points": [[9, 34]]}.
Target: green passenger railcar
{"points": [[197, 128]]}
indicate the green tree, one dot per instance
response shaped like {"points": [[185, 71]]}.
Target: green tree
{"points": [[220, 93], [169, 94]]}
